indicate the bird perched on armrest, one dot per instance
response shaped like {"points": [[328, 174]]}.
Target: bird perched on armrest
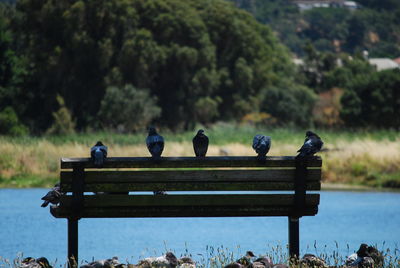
{"points": [[98, 153], [312, 144]]}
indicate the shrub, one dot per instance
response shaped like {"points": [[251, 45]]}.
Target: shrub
{"points": [[127, 109], [9, 123], [63, 123]]}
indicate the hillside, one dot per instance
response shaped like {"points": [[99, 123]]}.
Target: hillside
{"points": [[373, 26]]}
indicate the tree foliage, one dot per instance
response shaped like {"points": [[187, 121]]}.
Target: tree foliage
{"points": [[127, 109], [375, 26], [373, 101], [186, 53]]}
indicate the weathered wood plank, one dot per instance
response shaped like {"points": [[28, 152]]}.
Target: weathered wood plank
{"points": [[192, 186], [199, 200], [165, 212], [188, 162], [281, 175]]}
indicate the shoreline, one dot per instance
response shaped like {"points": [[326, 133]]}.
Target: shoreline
{"points": [[331, 187], [354, 188]]}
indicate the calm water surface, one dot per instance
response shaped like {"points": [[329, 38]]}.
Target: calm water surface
{"points": [[348, 218]]}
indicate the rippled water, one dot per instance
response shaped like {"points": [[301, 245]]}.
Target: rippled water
{"points": [[348, 218]]}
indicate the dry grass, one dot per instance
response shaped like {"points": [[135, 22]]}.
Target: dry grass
{"points": [[361, 161]]}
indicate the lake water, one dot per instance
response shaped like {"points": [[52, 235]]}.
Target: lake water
{"points": [[348, 218]]}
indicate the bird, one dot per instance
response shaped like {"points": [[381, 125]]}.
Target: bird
{"points": [[52, 196], [98, 153], [43, 262], [261, 144], [200, 144], [266, 261], [167, 260], [107, 263], [30, 262], [362, 258], [310, 260], [247, 260], [186, 262], [312, 144], [155, 143]]}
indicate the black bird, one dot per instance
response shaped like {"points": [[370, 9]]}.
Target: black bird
{"points": [[43, 262], [261, 144], [155, 143], [312, 144], [53, 196], [200, 144], [247, 259], [98, 153], [266, 261]]}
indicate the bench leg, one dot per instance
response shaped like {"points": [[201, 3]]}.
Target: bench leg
{"points": [[294, 241], [72, 243]]}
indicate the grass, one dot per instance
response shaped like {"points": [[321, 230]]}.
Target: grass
{"points": [[369, 158], [220, 256]]}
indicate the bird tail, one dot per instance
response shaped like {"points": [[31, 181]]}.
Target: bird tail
{"points": [[45, 203], [98, 158]]}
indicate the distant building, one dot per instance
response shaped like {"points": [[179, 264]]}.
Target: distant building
{"points": [[397, 60], [309, 4], [383, 63]]}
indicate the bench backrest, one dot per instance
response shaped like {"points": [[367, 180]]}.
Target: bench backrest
{"points": [[207, 187]]}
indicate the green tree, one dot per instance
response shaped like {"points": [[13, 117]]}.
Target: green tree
{"points": [[127, 109], [181, 51], [10, 124], [373, 100]]}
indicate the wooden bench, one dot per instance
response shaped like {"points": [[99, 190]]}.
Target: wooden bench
{"points": [[275, 187]]}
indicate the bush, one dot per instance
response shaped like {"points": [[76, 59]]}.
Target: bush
{"points": [[290, 105], [373, 101], [127, 109], [63, 123], [9, 123]]}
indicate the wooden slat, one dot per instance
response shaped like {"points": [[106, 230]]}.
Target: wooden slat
{"points": [[192, 186], [281, 175], [199, 200], [188, 162], [142, 212]]}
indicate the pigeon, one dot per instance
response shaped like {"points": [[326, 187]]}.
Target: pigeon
{"points": [[155, 143], [43, 262], [186, 262], [310, 260], [200, 144], [247, 260], [167, 260], [30, 262], [261, 144], [362, 258], [53, 196], [98, 153], [312, 145], [265, 261]]}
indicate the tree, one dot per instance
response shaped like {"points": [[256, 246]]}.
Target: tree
{"points": [[373, 101], [127, 109]]}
